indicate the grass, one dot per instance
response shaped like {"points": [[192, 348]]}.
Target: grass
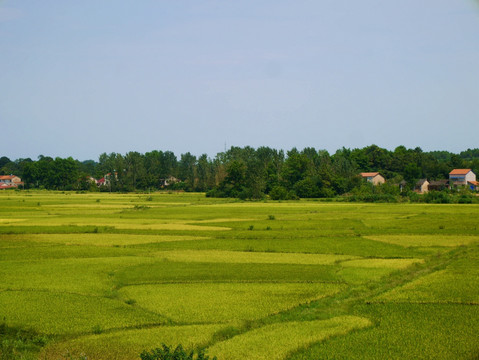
{"points": [[110, 275]]}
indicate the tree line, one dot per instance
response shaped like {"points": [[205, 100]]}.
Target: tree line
{"points": [[243, 172]]}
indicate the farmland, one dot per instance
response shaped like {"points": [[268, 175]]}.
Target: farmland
{"points": [[109, 275]]}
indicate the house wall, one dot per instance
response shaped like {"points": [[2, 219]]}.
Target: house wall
{"points": [[470, 176], [378, 179], [424, 187], [11, 180]]}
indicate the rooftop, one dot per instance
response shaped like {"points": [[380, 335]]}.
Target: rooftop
{"points": [[459, 171], [369, 174]]}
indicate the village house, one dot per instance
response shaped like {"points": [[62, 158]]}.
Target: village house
{"points": [[10, 181], [422, 186], [373, 177], [169, 181], [473, 185], [106, 180], [438, 185], [463, 177]]}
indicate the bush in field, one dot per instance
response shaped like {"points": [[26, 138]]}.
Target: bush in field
{"points": [[166, 353], [281, 193], [19, 344], [438, 197]]}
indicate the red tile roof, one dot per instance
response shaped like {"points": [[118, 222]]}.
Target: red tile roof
{"points": [[475, 183], [369, 174], [459, 171], [7, 177]]}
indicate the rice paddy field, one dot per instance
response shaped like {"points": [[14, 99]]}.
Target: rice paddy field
{"points": [[106, 276]]}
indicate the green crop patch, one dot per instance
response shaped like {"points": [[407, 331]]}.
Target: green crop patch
{"points": [[292, 242], [168, 272], [455, 284], [224, 302], [128, 344], [110, 275], [88, 276], [405, 331], [55, 251], [63, 313], [276, 341], [361, 275]]}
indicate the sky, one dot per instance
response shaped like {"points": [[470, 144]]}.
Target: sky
{"points": [[79, 78]]}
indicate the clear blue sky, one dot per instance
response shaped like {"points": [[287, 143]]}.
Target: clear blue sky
{"points": [[78, 78]]}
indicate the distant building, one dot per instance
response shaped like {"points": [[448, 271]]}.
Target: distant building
{"points": [[422, 186], [106, 180], [462, 177], [438, 185], [473, 185], [373, 177], [10, 181], [168, 181]]}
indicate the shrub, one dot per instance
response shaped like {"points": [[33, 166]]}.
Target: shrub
{"points": [[166, 353], [279, 193], [437, 197]]}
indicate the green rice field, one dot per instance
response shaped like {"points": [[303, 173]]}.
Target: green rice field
{"points": [[106, 276]]}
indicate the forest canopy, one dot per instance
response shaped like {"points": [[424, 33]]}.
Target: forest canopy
{"points": [[243, 172]]}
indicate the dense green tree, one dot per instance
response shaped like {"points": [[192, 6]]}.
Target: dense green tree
{"points": [[134, 171], [4, 161], [245, 172], [187, 170]]}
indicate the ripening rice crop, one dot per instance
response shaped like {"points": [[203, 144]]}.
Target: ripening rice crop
{"points": [[170, 226], [241, 257], [361, 275], [275, 341], [101, 239], [124, 224], [224, 302], [426, 240], [128, 344], [381, 263]]}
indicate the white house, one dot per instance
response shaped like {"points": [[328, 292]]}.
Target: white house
{"points": [[461, 177]]}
